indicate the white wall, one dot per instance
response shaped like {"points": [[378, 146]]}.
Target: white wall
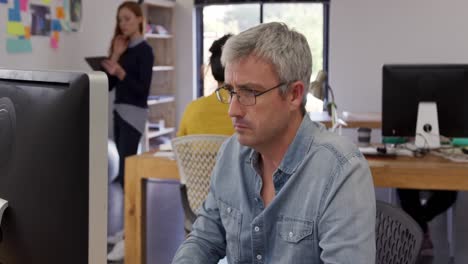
{"points": [[185, 55], [365, 34]]}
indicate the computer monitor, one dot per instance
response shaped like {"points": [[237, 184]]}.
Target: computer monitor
{"points": [[405, 86], [53, 167]]}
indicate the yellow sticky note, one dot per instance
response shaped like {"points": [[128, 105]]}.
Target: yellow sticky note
{"points": [[60, 12], [15, 28], [47, 2], [27, 32], [56, 35]]}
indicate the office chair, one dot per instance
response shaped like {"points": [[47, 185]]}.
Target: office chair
{"points": [[196, 157], [115, 209], [398, 236]]}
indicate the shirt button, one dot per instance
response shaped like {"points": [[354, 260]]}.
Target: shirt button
{"points": [[257, 229], [291, 234], [229, 210], [259, 257]]}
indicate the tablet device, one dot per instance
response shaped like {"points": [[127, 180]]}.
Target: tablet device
{"points": [[95, 62]]}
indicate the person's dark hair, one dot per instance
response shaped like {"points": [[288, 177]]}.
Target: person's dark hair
{"points": [[135, 9], [216, 49]]}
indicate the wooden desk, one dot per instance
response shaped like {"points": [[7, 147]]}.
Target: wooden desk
{"points": [[137, 169], [354, 120], [430, 172]]}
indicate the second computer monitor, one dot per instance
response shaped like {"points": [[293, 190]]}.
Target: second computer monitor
{"points": [[405, 86]]}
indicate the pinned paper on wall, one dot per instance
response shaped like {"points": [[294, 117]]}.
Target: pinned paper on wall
{"points": [[49, 18], [27, 32], [75, 14], [56, 26], [53, 42], [59, 12], [40, 18], [24, 5], [15, 28], [18, 45], [56, 35], [14, 15]]}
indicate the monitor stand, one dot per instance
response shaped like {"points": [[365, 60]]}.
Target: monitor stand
{"points": [[427, 126]]}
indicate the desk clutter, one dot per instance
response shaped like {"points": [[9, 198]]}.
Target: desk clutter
{"points": [[452, 153]]}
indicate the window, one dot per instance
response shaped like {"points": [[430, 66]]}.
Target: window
{"points": [[217, 20]]}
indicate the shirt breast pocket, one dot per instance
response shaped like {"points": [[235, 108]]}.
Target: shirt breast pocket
{"points": [[231, 219], [296, 241]]}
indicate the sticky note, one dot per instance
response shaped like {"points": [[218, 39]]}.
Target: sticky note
{"points": [[14, 15], [53, 43], [59, 12], [56, 26], [27, 32], [15, 28], [56, 35], [19, 45], [47, 2], [24, 5], [3, 1]]}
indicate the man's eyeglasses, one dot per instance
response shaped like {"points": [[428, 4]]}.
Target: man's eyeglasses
{"points": [[244, 96]]}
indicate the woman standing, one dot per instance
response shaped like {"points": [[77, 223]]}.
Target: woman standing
{"points": [[129, 70]]}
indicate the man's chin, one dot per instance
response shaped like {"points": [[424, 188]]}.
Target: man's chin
{"points": [[244, 140]]}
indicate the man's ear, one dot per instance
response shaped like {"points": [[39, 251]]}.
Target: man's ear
{"points": [[296, 93]]}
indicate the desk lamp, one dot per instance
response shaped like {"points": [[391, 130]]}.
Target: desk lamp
{"points": [[317, 90]]}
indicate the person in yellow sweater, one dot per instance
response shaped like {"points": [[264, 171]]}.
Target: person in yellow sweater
{"points": [[207, 115]]}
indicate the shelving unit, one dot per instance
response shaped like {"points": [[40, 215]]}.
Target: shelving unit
{"points": [[161, 102]]}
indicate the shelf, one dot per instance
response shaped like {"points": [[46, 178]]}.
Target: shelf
{"points": [[160, 100], [164, 131], [163, 68], [160, 3], [158, 36]]}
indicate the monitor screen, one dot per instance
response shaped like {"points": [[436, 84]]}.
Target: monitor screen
{"points": [[404, 86], [53, 167]]}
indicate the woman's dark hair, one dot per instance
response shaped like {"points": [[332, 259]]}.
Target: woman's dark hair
{"points": [[216, 48]]}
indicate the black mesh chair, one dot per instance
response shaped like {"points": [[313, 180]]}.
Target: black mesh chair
{"points": [[398, 236]]}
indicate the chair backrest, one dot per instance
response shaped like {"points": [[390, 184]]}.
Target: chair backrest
{"points": [[398, 236], [196, 157]]}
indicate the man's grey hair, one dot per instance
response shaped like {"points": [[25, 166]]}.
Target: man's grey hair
{"points": [[287, 50]]}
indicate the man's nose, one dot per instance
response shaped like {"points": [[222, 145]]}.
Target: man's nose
{"points": [[235, 108]]}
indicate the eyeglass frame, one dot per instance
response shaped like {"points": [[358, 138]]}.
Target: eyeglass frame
{"points": [[254, 92]]}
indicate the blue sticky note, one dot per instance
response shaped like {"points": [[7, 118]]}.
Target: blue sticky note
{"points": [[17, 4], [18, 45], [3, 1], [56, 25], [14, 15]]}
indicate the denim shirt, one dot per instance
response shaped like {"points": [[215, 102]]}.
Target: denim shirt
{"points": [[323, 210]]}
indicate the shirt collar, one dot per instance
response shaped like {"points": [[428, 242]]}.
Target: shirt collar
{"points": [[135, 42], [299, 147]]}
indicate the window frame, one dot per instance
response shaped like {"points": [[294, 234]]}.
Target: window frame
{"points": [[200, 31]]}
